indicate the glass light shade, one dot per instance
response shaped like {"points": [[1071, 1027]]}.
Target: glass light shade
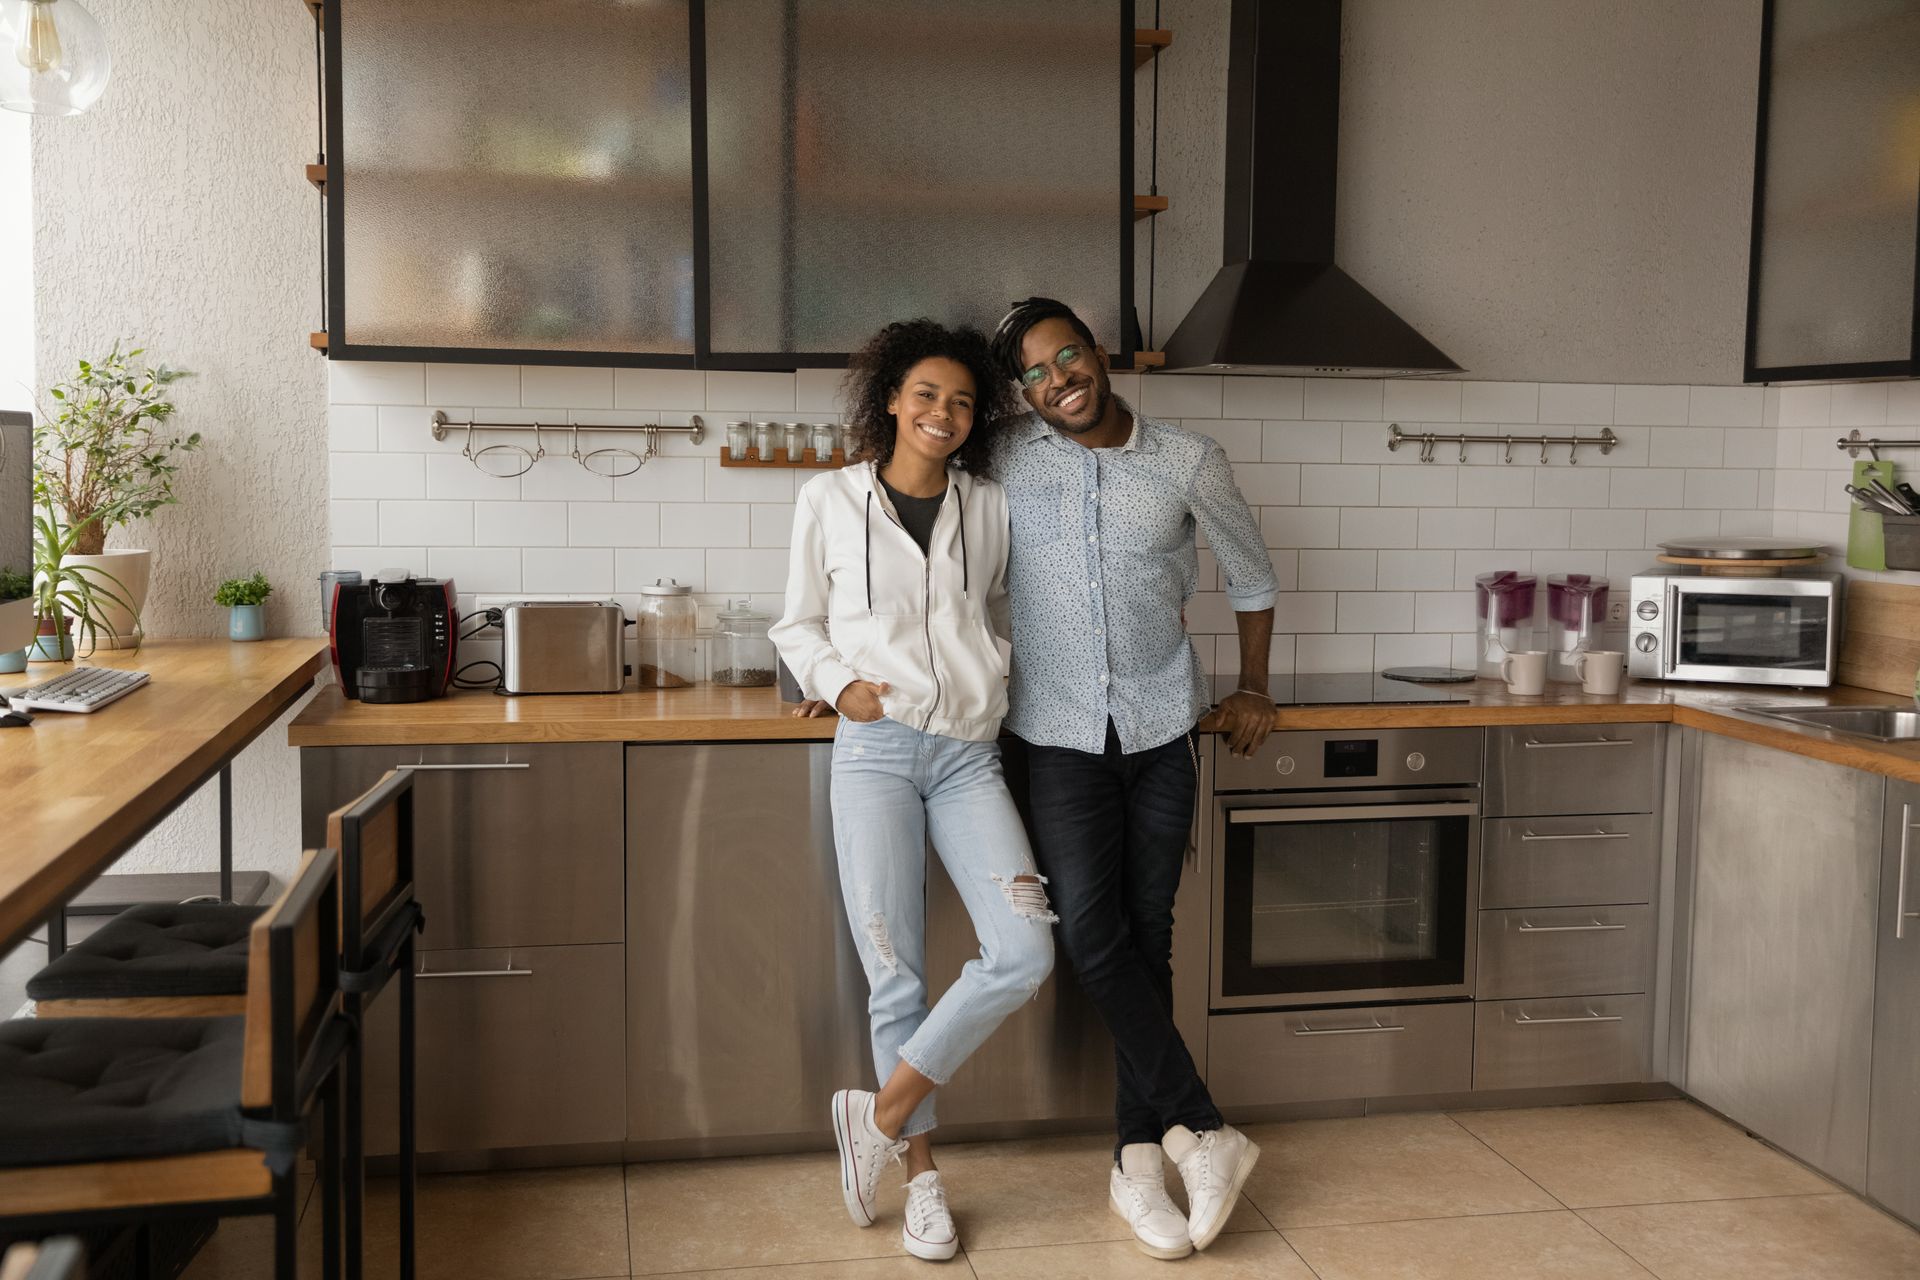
{"points": [[53, 57]]}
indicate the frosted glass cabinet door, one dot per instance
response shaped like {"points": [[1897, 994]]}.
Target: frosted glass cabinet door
{"points": [[1841, 187], [874, 160], [515, 175]]}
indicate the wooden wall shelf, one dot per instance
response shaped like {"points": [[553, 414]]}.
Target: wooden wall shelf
{"points": [[807, 461], [1147, 44], [317, 175], [1149, 359], [318, 341], [1147, 206]]}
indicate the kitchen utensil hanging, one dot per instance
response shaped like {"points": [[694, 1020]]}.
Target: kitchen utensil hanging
{"points": [[1430, 440], [608, 462]]}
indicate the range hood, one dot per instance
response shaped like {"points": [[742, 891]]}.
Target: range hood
{"points": [[1280, 306]]}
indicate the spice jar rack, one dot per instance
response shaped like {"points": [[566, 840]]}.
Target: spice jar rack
{"points": [[780, 459], [771, 444]]}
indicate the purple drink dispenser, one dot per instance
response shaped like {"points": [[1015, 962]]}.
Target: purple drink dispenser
{"points": [[1504, 605], [1576, 614]]}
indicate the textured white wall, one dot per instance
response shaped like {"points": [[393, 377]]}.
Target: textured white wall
{"points": [[175, 215]]}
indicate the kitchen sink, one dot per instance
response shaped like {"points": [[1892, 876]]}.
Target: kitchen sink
{"points": [[1881, 724]]}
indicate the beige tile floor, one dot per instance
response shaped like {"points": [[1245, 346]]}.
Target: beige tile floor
{"points": [[1634, 1190]]}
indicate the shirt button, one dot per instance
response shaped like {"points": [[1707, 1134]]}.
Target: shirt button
{"points": [[1093, 586], [1103, 677], [1099, 631], [1091, 538], [1093, 495]]}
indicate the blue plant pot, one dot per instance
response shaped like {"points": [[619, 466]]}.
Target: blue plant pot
{"points": [[12, 661], [51, 648], [247, 622]]}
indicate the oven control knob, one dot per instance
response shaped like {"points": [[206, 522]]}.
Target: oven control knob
{"points": [[1646, 642], [1283, 766], [1415, 762], [1648, 610]]}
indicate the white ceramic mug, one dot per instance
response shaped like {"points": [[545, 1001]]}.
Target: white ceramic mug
{"points": [[1600, 670], [1525, 672]]}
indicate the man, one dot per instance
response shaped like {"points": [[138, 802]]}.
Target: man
{"points": [[1106, 691]]}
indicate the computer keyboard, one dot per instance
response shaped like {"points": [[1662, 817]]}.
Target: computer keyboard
{"points": [[82, 689]]}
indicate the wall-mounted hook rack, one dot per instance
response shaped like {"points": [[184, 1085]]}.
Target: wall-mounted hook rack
{"points": [[695, 431], [1853, 442], [1430, 440]]}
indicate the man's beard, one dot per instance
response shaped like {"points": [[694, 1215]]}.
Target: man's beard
{"points": [[1100, 395]]}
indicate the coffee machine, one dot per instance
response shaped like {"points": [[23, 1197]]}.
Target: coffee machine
{"points": [[394, 637]]}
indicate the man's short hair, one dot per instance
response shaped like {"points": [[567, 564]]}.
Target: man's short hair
{"points": [[1012, 333]]}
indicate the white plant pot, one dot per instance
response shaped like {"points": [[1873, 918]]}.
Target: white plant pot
{"points": [[126, 574]]}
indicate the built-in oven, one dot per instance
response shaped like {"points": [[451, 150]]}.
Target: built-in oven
{"points": [[1345, 869]]}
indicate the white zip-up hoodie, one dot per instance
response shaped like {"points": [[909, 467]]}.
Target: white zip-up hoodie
{"points": [[863, 602]]}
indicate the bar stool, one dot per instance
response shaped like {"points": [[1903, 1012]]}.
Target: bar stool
{"points": [[117, 1121], [189, 960]]}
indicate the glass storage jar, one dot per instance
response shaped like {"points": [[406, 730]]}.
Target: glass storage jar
{"points": [[768, 436], [739, 439], [743, 656], [665, 631], [823, 441], [796, 433]]}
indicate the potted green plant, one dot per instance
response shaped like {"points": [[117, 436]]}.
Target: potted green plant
{"points": [[14, 585], [246, 600], [70, 599], [102, 459]]}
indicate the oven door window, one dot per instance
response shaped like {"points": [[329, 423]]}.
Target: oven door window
{"points": [[1346, 904], [1786, 632]]}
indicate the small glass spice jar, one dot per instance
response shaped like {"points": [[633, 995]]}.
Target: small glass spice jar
{"points": [[768, 436], [796, 433], [824, 434], [739, 440]]}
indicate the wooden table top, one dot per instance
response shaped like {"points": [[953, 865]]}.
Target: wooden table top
{"points": [[79, 789], [705, 713]]}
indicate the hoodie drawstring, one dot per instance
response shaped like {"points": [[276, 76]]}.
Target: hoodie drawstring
{"points": [[960, 496], [869, 549]]}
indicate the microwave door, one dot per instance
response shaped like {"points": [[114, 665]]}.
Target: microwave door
{"points": [[1756, 632]]}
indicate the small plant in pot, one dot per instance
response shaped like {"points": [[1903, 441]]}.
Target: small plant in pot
{"points": [[246, 600], [14, 585], [105, 458], [71, 599]]}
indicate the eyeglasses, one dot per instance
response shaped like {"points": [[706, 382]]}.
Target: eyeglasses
{"points": [[1064, 362]]}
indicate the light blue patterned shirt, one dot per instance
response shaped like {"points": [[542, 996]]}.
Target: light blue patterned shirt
{"points": [[1103, 561]]}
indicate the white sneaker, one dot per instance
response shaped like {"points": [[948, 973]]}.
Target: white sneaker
{"points": [[1137, 1191], [1214, 1165], [863, 1151], [929, 1231]]}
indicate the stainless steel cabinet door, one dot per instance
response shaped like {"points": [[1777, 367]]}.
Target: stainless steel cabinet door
{"points": [[1573, 768], [1893, 1146], [1780, 991], [1528, 1044], [519, 845], [1564, 951], [747, 1006], [1568, 862]]}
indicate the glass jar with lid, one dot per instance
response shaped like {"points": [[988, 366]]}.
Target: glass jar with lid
{"points": [[665, 626], [743, 656], [739, 440], [824, 439]]}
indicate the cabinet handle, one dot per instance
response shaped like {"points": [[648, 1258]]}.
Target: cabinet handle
{"points": [[1595, 834], [1522, 1020], [1304, 1030], [463, 768], [474, 973], [1900, 912], [1595, 927], [1533, 744]]}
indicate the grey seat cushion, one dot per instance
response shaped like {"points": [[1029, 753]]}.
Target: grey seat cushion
{"points": [[156, 949], [74, 1090]]}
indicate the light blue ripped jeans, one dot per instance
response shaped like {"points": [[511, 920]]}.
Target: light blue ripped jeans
{"points": [[892, 787]]}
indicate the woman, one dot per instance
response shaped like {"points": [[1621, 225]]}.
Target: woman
{"points": [[897, 617]]}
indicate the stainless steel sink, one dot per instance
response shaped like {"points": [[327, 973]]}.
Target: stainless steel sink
{"points": [[1881, 724]]}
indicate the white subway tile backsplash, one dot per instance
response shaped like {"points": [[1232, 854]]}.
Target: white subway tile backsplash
{"points": [[1337, 570], [1239, 437], [409, 429], [1269, 398], [1301, 526], [1709, 488], [637, 567], [705, 524], [1411, 651], [755, 390], [1375, 611], [771, 524], [376, 382], [742, 571], [819, 390], [1576, 404], [1691, 447], [1304, 612], [1432, 486], [1269, 484], [353, 523], [1530, 527], [1344, 399], [558, 478], [1341, 485], [353, 428], [426, 524], [1469, 565], [1636, 406], [553, 386], [479, 570], [1300, 441], [1412, 400], [452, 476], [1335, 653], [1859, 404], [1673, 526], [1609, 528], [1751, 447], [1183, 396], [1648, 487], [1443, 611], [377, 475], [568, 569], [1414, 570], [1379, 527], [751, 484], [1456, 527], [664, 480], [1806, 406], [1903, 404], [520, 524], [473, 384], [614, 524], [1367, 442], [1501, 402], [1724, 406], [684, 389], [1581, 486], [1495, 486]]}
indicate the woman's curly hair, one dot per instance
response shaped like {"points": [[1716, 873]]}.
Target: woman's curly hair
{"points": [[879, 369]]}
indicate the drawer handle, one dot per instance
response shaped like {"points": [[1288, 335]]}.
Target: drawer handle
{"points": [[1595, 927], [460, 768], [1522, 1020], [1304, 1030], [1595, 834], [1535, 743], [475, 973], [1900, 912]]}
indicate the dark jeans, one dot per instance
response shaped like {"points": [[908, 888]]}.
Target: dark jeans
{"points": [[1109, 833]]}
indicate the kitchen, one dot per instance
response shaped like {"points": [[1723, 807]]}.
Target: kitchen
{"points": [[1585, 965]]}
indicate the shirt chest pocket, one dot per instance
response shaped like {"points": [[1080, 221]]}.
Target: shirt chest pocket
{"points": [[1037, 512]]}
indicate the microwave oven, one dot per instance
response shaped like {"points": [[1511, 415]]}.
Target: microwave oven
{"points": [[1783, 630]]}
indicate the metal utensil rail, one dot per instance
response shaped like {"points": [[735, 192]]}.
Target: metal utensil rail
{"points": [[1853, 442], [1429, 440]]}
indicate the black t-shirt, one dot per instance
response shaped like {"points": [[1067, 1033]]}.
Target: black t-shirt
{"points": [[916, 514]]}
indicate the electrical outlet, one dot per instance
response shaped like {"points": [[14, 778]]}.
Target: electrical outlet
{"points": [[1616, 611]]}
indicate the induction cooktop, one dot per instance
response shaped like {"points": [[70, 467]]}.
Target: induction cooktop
{"points": [[1347, 688]]}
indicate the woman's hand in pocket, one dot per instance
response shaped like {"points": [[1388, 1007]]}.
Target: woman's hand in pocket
{"points": [[860, 701]]}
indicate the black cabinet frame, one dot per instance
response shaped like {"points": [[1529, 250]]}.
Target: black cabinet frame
{"points": [[1804, 372], [340, 347]]}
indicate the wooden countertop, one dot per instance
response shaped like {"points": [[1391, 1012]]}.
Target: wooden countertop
{"points": [[705, 713], [79, 789]]}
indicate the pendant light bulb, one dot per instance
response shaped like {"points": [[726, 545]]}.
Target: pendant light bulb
{"points": [[59, 64]]}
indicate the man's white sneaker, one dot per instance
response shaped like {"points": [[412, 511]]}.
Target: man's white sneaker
{"points": [[863, 1151], [1214, 1165], [929, 1231], [1137, 1191]]}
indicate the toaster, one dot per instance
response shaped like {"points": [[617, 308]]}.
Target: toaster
{"points": [[562, 646]]}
